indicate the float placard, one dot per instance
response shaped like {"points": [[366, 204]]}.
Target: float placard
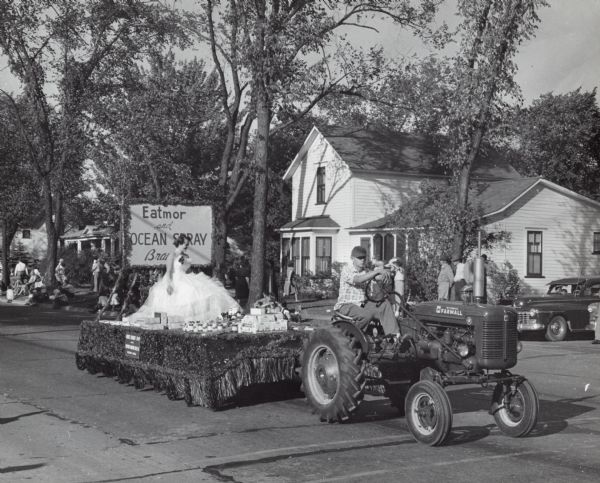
{"points": [[153, 229]]}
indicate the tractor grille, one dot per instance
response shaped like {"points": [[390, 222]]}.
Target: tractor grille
{"points": [[523, 317], [497, 344]]}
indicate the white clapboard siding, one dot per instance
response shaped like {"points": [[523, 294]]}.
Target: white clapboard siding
{"points": [[567, 225], [376, 196], [338, 185]]}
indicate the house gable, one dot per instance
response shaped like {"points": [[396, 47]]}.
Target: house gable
{"points": [[565, 222]]}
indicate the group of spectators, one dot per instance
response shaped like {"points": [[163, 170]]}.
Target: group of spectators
{"points": [[455, 275]]}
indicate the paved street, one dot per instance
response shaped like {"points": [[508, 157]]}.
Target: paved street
{"points": [[61, 424]]}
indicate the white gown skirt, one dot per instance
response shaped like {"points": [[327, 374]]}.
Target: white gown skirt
{"points": [[195, 297]]}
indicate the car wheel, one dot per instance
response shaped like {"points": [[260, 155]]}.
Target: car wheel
{"points": [[557, 329]]}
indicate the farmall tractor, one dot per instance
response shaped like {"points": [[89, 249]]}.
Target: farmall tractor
{"points": [[443, 344]]}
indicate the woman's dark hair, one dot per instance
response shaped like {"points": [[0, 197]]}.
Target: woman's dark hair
{"points": [[181, 239]]}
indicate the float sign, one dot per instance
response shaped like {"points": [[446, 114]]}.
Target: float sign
{"points": [[153, 229], [132, 345]]}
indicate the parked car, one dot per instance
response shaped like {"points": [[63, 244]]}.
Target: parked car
{"points": [[563, 309]]}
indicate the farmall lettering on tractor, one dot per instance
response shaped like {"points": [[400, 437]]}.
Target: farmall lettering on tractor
{"points": [[443, 343]]}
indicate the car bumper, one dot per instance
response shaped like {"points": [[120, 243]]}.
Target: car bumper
{"points": [[526, 323], [523, 327]]}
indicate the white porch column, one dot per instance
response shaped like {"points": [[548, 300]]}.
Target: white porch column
{"points": [[78, 246], [105, 245]]}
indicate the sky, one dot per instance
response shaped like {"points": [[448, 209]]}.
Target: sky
{"points": [[564, 54]]}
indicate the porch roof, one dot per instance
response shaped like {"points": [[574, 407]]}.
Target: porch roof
{"points": [[89, 232], [311, 222]]}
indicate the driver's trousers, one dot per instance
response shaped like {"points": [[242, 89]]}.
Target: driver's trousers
{"points": [[372, 311]]}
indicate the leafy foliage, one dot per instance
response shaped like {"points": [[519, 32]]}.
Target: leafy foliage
{"points": [[286, 58], [558, 137], [505, 282], [432, 222], [82, 48]]}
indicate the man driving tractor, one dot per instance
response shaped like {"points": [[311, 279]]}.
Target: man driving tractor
{"points": [[352, 301]]}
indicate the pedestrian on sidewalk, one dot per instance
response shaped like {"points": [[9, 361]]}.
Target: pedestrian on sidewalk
{"points": [[445, 278], [96, 273], [289, 286], [21, 272], [60, 272]]}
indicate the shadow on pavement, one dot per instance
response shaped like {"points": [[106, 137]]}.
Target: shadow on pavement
{"points": [[553, 416], [16, 418]]}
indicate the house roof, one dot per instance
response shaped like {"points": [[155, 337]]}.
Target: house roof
{"points": [[311, 222], [366, 150], [498, 195], [377, 224], [90, 231], [494, 197]]}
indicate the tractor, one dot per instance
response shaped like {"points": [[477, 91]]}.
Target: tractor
{"points": [[443, 343]]}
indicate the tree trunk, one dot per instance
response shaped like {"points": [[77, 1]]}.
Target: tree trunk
{"points": [[51, 237], [257, 260], [219, 241], [8, 232], [122, 235]]}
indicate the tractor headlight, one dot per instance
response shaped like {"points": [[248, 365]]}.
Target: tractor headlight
{"points": [[533, 313], [463, 350]]}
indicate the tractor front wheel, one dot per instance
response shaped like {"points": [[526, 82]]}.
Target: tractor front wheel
{"points": [[515, 408], [428, 413]]}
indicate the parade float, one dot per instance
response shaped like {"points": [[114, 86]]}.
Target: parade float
{"points": [[205, 362]]}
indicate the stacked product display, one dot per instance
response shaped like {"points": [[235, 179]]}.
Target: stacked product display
{"points": [[263, 319]]}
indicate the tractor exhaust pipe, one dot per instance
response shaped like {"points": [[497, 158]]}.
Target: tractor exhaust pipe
{"points": [[478, 280]]}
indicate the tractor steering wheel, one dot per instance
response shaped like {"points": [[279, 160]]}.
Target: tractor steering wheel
{"points": [[380, 293]]}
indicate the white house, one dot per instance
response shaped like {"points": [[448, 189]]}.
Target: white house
{"points": [[345, 181]]}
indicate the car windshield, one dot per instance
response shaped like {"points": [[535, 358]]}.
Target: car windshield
{"points": [[565, 288]]}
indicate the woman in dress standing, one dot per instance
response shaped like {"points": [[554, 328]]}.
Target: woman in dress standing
{"points": [[187, 296]]}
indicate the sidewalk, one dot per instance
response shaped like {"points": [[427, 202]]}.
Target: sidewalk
{"points": [[315, 312], [82, 301]]}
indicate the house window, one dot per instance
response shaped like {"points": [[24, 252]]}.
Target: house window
{"points": [[296, 254], [377, 247], [534, 253], [320, 186], [388, 246], [26, 234], [366, 244], [324, 255], [285, 253], [305, 256], [596, 242]]}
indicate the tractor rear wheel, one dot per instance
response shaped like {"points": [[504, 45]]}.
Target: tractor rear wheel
{"points": [[333, 377]]}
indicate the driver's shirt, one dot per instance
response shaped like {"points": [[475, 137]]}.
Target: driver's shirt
{"points": [[350, 293]]}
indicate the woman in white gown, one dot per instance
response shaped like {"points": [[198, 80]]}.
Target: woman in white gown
{"points": [[186, 296]]}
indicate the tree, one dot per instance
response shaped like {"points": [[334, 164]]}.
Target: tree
{"points": [[165, 120], [558, 137], [484, 68], [267, 47], [80, 48], [429, 221], [17, 184]]}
